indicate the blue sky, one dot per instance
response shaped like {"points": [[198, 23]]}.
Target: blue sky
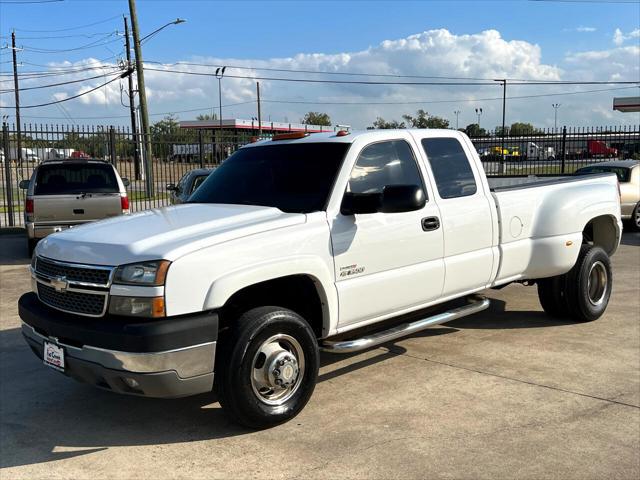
{"points": [[250, 31]]}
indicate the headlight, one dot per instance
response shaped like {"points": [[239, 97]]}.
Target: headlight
{"points": [[146, 273], [137, 306]]}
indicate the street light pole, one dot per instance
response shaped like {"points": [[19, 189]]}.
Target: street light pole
{"points": [[478, 113], [457, 113]]}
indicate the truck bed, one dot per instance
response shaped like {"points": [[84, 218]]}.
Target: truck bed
{"points": [[498, 184]]}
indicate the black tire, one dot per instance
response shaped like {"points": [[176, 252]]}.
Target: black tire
{"points": [[241, 352], [552, 296], [31, 245], [635, 218], [588, 284]]}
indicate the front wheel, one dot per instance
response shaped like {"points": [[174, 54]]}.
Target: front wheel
{"points": [[268, 367]]}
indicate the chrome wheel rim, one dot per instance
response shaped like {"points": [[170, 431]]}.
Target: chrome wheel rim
{"points": [[637, 217], [277, 369], [597, 283]]}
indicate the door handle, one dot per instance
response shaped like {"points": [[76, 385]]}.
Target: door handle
{"points": [[430, 223]]}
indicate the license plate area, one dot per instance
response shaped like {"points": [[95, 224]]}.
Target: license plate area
{"points": [[53, 356]]}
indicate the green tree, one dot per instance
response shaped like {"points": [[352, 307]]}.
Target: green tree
{"points": [[207, 116], [474, 130], [381, 124], [317, 118], [521, 128], [165, 128], [424, 120]]}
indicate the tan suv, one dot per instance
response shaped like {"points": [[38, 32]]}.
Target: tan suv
{"points": [[628, 173], [64, 193]]}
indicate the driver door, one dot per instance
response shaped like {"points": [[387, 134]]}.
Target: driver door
{"points": [[386, 262]]}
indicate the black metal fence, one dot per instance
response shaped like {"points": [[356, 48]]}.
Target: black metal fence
{"points": [[176, 151], [555, 151]]}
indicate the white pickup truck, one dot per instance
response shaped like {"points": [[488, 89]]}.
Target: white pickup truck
{"points": [[294, 245]]}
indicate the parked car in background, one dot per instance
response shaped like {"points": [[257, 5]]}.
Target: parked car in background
{"points": [[187, 185], [628, 173], [64, 193]]}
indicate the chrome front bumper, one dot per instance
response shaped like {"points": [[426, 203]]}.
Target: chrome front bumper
{"points": [[172, 373]]}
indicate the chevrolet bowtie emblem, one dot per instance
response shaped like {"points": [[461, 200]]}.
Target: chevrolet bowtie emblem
{"points": [[59, 283]]}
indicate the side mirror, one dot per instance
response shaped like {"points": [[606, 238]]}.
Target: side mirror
{"points": [[402, 198], [24, 184], [126, 182], [171, 187], [358, 203]]}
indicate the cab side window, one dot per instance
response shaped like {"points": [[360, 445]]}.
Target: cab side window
{"points": [[450, 166], [384, 163]]}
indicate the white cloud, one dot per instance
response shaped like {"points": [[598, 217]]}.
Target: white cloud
{"points": [[619, 37], [582, 29], [431, 53]]}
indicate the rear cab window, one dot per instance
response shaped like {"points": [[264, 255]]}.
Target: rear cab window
{"points": [[73, 178], [450, 166]]}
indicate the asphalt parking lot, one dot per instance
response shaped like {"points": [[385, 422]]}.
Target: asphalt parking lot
{"points": [[506, 393]]}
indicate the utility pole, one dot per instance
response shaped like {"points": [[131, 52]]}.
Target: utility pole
{"points": [[457, 113], [555, 106], [144, 113], [259, 110], [16, 91], [132, 107]]}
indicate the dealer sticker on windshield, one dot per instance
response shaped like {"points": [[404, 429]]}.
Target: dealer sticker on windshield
{"points": [[53, 356]]}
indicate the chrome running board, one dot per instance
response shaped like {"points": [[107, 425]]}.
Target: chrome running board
{"points": [[478, 304]]}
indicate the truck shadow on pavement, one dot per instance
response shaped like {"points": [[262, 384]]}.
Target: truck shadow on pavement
{"points": [[47, 417]]}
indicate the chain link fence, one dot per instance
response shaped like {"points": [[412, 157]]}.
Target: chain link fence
{"points": [[177, 151]]}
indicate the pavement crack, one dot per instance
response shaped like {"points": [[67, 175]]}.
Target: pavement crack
{"points": [[505, 377]]}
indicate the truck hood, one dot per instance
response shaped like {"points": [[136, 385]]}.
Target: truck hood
{"points": [[164, 233]]}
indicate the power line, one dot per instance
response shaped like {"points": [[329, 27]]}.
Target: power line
{"points": [[97, 43], [360, 74], [23, 2], [157, 114], [454, 100], [309, 102], [78, 95], [69, 82], [371, 82], [78, 27]]}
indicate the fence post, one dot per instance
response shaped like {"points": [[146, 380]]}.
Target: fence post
{"points": [[112, 145], [564, 147], [200, 148], [7, 173]]}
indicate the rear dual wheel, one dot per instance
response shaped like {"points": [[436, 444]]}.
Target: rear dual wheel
{"points": [[583, 293]]}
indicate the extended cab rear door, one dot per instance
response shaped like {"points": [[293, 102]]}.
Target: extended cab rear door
{"points": [[385, 262], [467, 212]]}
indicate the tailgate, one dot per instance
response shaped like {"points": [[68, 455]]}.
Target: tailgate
{"points": [[76, 208]]}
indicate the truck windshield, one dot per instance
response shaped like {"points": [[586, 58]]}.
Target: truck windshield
{"points": [[69, 178], [292, 177]]}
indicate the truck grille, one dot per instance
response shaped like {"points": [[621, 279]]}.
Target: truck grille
{"points": [[96, 276], [74, 302]]}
